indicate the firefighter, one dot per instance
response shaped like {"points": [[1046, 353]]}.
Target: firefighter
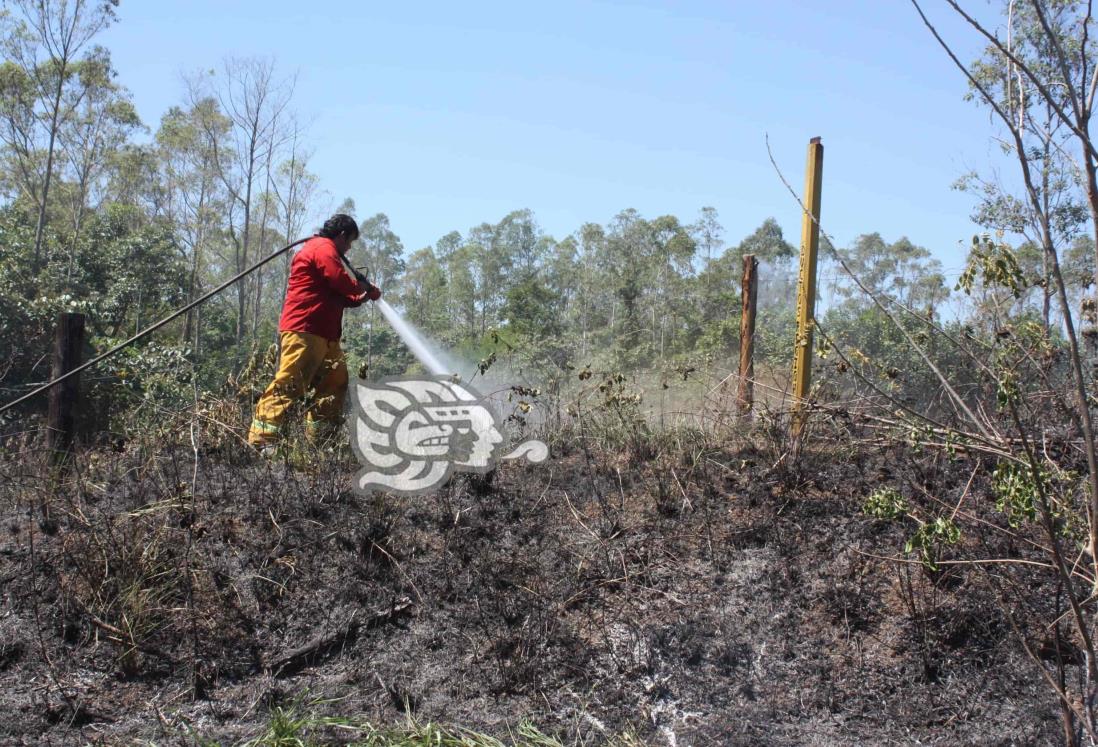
{"points": [[321, 285]]}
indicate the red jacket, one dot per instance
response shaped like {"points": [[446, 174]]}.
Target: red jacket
{"points": [[318, 290]]}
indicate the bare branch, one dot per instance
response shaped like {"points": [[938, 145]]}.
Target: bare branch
{"points": [[1077, 105], [1041, 87]]}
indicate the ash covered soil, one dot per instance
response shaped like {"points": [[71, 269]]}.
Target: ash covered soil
{"points": [[707, 597]]}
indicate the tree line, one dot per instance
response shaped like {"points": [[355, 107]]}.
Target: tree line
{"points": [[106, 215]]}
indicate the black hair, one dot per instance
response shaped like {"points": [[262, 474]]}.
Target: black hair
{"points": [[339, 224]]}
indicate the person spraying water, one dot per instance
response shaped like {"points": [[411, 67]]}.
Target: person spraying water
{"points": [[320, 287], [447, 426]]}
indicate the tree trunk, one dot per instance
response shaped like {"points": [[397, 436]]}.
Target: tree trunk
{"points": [[1080, 381], [41, 225], [1046, 246], [262, 239]]}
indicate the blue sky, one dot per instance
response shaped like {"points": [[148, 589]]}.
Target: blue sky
{"points": [[446, 115]]}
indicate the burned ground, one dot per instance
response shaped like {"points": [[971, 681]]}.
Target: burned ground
{"points": [[695, 593]]}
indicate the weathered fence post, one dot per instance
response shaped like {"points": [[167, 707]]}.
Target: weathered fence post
{"points": [[806, 286], [745, 395], [67, 346]]}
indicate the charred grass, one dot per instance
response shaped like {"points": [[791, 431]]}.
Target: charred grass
{"points": [[683, 587]]}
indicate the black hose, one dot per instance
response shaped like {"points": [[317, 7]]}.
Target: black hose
{"points": [[362, 277], [154, 327]]}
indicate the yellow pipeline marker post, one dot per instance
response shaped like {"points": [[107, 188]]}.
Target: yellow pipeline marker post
{"points": [[806, 286]]}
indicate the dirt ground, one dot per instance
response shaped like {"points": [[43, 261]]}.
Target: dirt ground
{"points": [[703, 597]]}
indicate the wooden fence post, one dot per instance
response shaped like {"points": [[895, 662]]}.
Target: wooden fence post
{"points": [[745, 395], [806, 287], [64, 397]]}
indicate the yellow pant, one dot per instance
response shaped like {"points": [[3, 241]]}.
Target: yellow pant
{"points": [[306, 361]]}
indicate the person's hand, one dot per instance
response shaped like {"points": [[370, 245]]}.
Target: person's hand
{"points": [[372, 292]]}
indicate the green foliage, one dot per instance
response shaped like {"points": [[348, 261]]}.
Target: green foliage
{"points": [[121, 272], [424, 291], [901, 271], [767, 243], [775, 332], [300, 725], [1077, 264], [531, 308], [384, 252], [374, 350], [133, 389], [1007, 392], [992, 264], [885, 503], [881, 353], [931, 537], [714, 321], [608, 407], [721, 336], [1016, 490]]}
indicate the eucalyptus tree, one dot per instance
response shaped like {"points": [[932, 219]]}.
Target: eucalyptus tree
{"points": [[24, 165], [195, 200], [767, 243], [560, 267], [295, 188], [491, 270], [1048, 209], [590, 300], [717, 312], [900, 271], [101, 120], [777, 284], [518, 246], [135, 178], [41, 43], [708, 235], [622, 259], [463, 289], [647, 267], [445, 250], [384, 252], [254, 102], [1078, 265], [673, 253], [423, 292], [266, 238], [719, 281]]}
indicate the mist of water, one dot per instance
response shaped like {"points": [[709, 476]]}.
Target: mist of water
{"points": [[440, 364], [420, 348]]}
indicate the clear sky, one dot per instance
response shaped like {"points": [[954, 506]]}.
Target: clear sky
{"points": [[444, 115]]}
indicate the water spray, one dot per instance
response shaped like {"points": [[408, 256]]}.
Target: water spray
{"points": [[413, 340], [533, 450]]}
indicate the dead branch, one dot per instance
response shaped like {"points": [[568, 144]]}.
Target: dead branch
{"points": [[293, 661]]}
